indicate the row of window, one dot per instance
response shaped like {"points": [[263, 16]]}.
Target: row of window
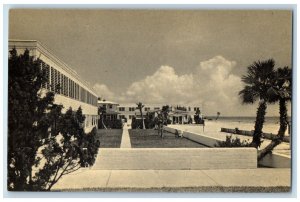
{"points": [[132, 109], [61, 84], [90, 120], [129, 117]]}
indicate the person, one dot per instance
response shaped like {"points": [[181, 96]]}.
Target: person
{"points": [[176, 133]]}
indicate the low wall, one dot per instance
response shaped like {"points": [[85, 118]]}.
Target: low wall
{"points": [[269, 136], [175, 158], [202, 139], [273, 160]]}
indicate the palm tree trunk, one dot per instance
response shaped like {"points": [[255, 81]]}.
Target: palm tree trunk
{"points": [[259, 123], [104, 124], [142, 119], [283, 126]]}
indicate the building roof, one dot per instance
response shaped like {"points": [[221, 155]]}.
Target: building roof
{"points": [[35, 44], [106, 102]]}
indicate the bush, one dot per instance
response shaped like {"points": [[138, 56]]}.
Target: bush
{"points": [[91, 148], [138, 123], [233, 142], [113, 124], [198, 120]]}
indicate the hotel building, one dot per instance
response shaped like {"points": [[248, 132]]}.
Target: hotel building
{"points": [[72, 91], [177, 114]]}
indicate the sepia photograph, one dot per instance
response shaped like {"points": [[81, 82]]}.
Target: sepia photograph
{"points": [[150, 100]]}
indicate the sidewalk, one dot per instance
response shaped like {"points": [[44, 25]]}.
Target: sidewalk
{"points": [[243, 180], [125, 142]]}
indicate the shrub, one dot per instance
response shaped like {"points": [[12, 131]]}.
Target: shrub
{"points": [[138, 123], [91, 145], [113, 124], [198, 120], [233, 142]]}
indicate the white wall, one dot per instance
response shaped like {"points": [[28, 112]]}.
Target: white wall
{"points": [[37, 50], [175, 158]]}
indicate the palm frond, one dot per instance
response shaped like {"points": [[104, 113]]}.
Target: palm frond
{"points": [[247, 95]]}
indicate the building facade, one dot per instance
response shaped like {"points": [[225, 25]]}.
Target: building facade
{"points": [[110, 108], [177, 115], [70, 90]]}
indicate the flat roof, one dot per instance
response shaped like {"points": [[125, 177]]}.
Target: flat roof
{"points": [[107, 102], [20, 43]]}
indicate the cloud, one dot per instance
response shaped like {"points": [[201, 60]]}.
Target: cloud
{"points": [[212, 86], [164, 86], [103, 91]]}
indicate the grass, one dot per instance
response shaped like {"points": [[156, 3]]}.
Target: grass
{"points": [[110, 138], [149, 138]]}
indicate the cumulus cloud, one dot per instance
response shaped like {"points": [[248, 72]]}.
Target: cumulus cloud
{"points": [[104, 92], [164, 86], [212, 86]]}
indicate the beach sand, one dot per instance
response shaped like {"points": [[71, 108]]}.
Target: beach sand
{"points": [[213, 129]]}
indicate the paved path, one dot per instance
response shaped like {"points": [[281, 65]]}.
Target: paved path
{"points": [[199, 180], [125, 143]]}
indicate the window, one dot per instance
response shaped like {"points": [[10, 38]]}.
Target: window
{"points": [[72, 89], [52, 80], [131, 109], [156, 108], [57, 81], [65, 85], [131, 116], [43, 67], [69, 87], [76, 91], [147, 109], [121, 109]]}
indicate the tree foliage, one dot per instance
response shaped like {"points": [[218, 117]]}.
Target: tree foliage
{"points": [[43, 143], [281, 91], [233, 142], [259, 79], [140, 107]]}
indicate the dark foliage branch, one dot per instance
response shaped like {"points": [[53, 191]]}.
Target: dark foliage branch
{"points": [[43, 143]]}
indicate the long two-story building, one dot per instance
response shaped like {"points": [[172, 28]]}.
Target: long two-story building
{"points": [[70, 90], [178, 114]]}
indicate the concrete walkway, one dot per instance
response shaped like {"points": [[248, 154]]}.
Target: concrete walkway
{"points": [[283, 148], [125, 143], [259, 180]]}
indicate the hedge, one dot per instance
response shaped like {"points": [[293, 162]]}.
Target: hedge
{"points": [[112, 124]]}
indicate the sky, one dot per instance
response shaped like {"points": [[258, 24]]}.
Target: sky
{"points": [[181, 57]]}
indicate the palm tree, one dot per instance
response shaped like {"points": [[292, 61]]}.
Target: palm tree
{"points": [[165, 113], [102, 112], [281, 91], [140, 106], [218, 114], [258, 81]]}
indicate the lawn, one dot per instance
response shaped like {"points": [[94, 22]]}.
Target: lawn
{"points": [[149, 138], [110, 138]]}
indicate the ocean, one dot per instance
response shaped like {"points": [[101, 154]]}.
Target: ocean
{"points": [[268, 120], [271, 124]]}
